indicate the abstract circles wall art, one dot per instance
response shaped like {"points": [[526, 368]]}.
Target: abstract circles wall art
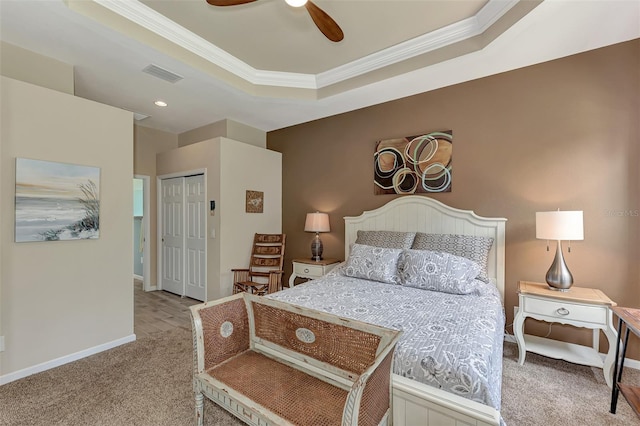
{"points": [[414, 164]]}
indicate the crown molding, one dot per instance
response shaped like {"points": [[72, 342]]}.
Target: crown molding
{"points": [[429, 42], [159, 24]]}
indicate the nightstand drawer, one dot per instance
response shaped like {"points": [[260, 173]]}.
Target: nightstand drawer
{"points": [[304, 269], [568, 311]]}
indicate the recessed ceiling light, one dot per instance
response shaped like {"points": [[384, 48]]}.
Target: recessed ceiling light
{"points": [[160, 103], [296, 3]]}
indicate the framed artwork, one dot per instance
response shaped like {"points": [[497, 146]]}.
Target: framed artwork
{"points": [[255, 201], [56, 201], [414, 164]]}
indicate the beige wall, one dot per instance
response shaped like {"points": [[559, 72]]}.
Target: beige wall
{"points": [[209, 131], [232, 167], [24, 65], [562, 134], [246, 167], [147, 143], [63, 298], [225, 128], [247, 134], [202, 156]]}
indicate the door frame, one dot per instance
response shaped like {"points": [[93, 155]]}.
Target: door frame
{"points": [[146, 224], [159, 180]]}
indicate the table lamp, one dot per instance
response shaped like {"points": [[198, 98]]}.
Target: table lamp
{"points": [[559, 226], [316, 222]]}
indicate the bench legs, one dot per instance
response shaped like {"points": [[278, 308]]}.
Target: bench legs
{"points": [[199, 408]]}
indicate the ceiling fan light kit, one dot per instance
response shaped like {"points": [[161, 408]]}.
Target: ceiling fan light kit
{"points": [[296, 3], [323, 21]]}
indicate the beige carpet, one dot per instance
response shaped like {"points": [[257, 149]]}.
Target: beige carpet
{"points": [[148, 382], [551, 392]]}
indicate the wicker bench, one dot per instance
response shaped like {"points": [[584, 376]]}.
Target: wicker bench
{"points": [[271, 363]]}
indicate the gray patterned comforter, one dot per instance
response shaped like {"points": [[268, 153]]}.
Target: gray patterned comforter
{"points": [[452, 342]]}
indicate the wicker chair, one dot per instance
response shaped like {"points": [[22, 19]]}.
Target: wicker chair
{"points": [[264, 274]]}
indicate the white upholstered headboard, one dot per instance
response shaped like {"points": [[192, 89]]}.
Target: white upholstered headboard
{"points": [[414, 213]]}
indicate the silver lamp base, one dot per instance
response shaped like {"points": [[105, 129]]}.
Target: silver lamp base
{"points": [[316, 248], [558, 276]]}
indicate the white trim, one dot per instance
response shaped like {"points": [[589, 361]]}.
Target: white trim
{"points": [[159, 179], [202, 171], [146, 222], [628, 362], [148, 18], [509, 338], [159, 24], [138, 277], [159, 233], [16, 375], [420, 45]]}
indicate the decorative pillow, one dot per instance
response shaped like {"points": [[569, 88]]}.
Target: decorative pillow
{"points": [[471, 247], [386, 239], [437, 271], [373, 263]]}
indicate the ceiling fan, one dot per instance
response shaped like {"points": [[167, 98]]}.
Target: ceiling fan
{"points": [[324, 22]]}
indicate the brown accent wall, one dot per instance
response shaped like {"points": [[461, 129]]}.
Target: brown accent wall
{"points": [[563, 134]]}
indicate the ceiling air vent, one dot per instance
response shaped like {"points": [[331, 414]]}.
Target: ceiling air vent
{"points": [[139, 117], [163, 74]]}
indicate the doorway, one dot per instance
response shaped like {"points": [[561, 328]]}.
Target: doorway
{"points": [[182, 235], [141, 229]]}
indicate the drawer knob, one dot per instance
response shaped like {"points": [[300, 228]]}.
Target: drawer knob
{"points": [[306, 270], [562, 311]]}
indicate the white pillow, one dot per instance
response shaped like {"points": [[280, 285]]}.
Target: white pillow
{"points": [[373, 263], [437, 271]]}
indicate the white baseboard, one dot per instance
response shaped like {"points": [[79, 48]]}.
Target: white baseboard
{"points": [[628, 362], [7, 378], [138, 277]]}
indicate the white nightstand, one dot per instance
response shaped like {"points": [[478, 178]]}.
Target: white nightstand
{"points": [[311, 269], [580, 307]]}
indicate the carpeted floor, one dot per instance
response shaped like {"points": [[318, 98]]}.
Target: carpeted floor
{"points": [[552, 392], [148, 382]]}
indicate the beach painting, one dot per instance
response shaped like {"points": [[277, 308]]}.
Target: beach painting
{"points": [[56, 201]]}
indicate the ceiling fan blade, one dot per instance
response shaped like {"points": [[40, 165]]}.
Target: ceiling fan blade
{"points": [[324, 22], [228, 2]]}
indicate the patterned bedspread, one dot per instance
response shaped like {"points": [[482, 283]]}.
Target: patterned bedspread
{"points": [[452, 342]]}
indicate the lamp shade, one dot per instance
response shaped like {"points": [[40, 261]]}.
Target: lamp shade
{"points": [[559, 225], [317, 222]]}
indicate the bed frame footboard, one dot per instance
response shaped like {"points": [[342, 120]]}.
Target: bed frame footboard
{"points": [[416, 404]]}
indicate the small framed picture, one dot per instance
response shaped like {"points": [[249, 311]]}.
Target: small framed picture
{"points": [[255, 201]]}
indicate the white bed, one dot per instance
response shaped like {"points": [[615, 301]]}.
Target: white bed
{"points": [[415, 403]]}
